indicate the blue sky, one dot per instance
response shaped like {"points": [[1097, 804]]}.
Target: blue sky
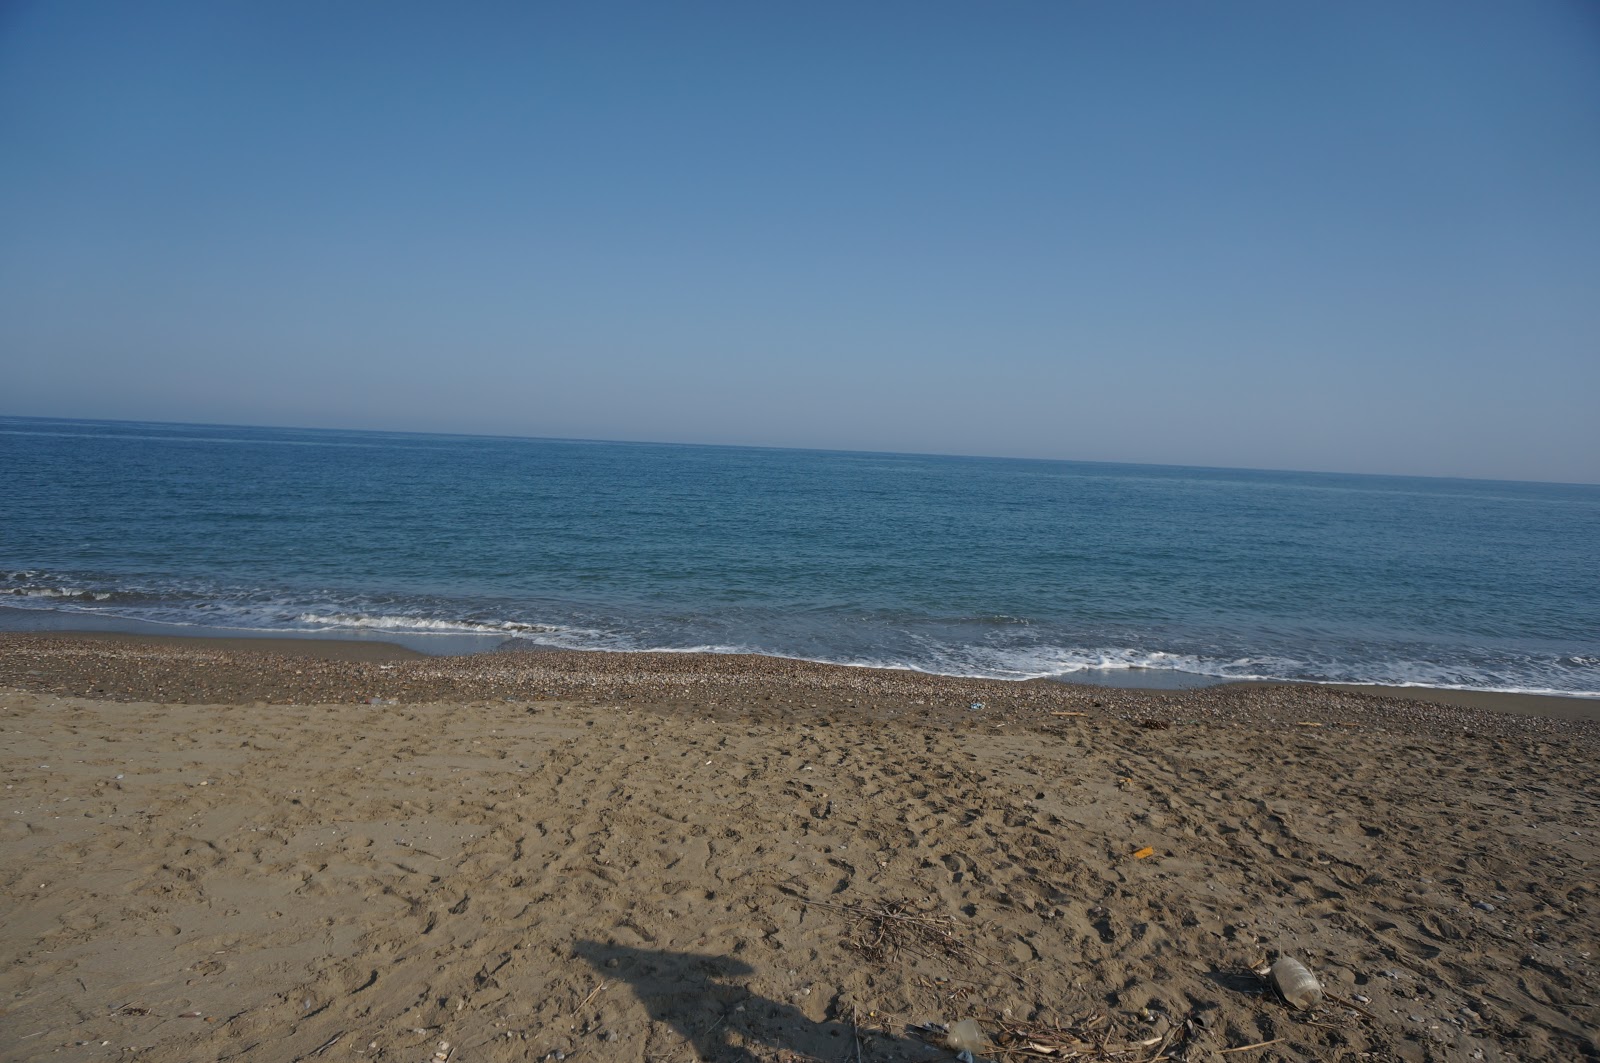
{"points": [[1356, 236]]}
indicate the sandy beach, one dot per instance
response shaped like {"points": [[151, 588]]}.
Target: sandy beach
{"points": [[300, 850]]}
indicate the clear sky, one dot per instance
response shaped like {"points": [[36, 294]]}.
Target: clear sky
{"points": [[1355, 236]]}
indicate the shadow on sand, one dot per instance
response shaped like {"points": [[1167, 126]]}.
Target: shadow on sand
{"points": [[698, 996]]}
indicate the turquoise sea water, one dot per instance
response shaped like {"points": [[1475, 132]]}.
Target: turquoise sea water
{"points": [[967, 566]]}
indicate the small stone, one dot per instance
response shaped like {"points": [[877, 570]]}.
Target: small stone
{"points": [[1483, 906]]}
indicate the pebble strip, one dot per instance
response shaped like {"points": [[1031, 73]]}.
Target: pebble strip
{"points": [[723, 686]]}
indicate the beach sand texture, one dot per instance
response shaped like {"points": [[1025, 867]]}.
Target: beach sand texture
{"points": [[666, 857]]}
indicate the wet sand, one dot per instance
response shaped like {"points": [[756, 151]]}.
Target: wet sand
{"points": [[318, 850], [1523, 704]]}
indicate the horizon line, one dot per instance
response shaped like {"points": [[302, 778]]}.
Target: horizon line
{"points": [[801, 449]]}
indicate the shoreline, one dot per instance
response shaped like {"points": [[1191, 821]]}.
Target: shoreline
{"points": [[327, 649], [1553, 706]]}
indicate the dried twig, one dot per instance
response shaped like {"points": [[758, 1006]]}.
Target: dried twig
{"points": [[881, 931], [1019, 1042], [1352, 1005], [1162, 1047], [324, 1046], [1258, 1044], [592, 994]]}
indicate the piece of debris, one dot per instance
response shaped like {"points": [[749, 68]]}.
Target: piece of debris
{"points": [[1295, 984]]}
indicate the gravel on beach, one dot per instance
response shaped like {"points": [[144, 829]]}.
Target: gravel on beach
{"points": [[734, 686]]}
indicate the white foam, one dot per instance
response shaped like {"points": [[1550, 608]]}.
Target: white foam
{"points": [[993, 654], [1049, 662], [334, 621], [58, 594], [1478, 689]]}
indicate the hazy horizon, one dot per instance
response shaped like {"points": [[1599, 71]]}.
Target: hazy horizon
{"points": [[1360, 239], [512, 437]]}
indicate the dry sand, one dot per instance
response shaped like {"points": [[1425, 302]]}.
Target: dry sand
{"points": [[217, 850]]}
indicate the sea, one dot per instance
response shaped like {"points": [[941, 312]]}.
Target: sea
{"points": [[1136, 575]]}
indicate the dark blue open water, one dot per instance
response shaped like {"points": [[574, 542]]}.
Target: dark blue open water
{"points": [[968, 566]]}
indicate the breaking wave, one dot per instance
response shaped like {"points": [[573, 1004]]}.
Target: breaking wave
{"points": [[992, 646]]}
